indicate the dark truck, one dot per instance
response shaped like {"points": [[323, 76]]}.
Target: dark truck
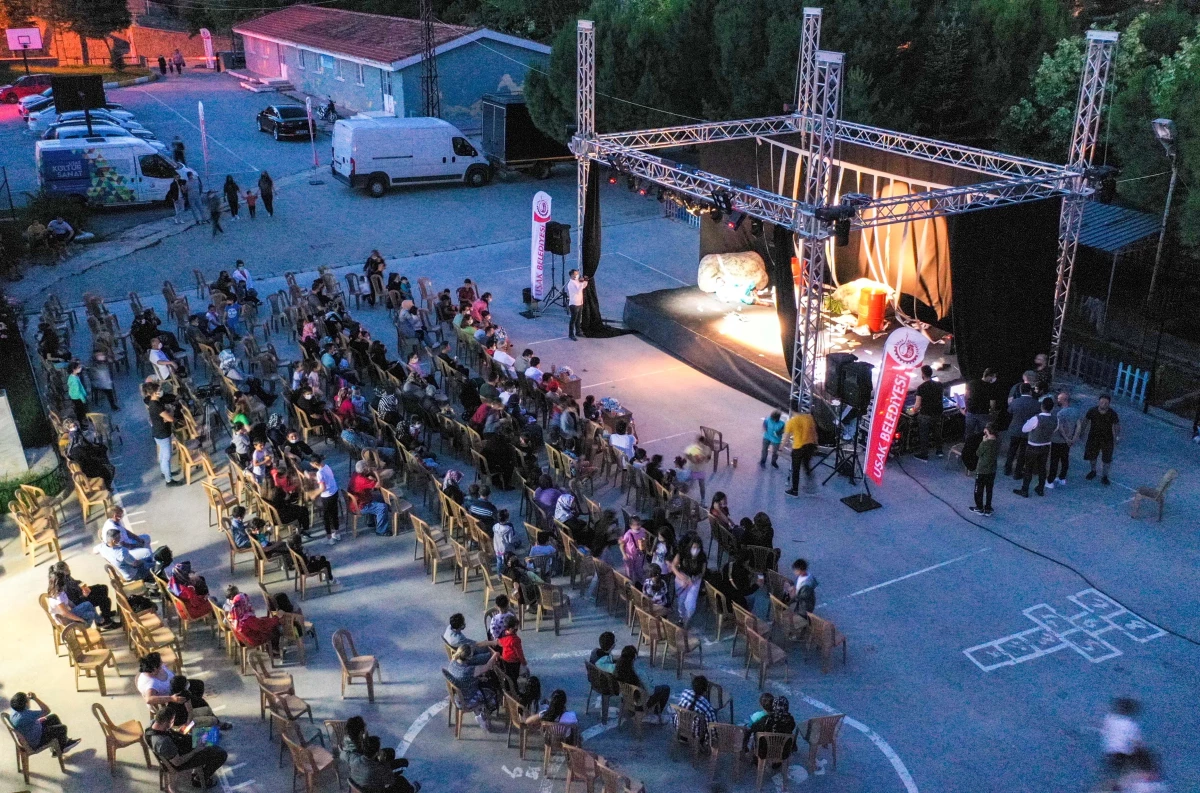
{"points": [[511, 140]]}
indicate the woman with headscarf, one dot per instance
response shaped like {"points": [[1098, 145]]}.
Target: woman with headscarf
{"points": [[248, 629], [84, 449], [547, 494], [266, 189], [192, 591], [688, 566], [566, 512], [450, 485], [779, 720], [232, 191]]}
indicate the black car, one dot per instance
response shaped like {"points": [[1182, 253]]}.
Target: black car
{"points": [[284, 121]]}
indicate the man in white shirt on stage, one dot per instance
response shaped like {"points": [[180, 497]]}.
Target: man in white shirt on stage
{"points": [[575, 289]]}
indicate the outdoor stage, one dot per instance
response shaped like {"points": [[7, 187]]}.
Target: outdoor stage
{"points": [[744, 349]]}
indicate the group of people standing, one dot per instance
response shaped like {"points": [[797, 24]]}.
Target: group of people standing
{"points": [[189, 195]]}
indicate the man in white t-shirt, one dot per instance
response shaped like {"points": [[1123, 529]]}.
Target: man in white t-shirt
{"points": [[533, 372], [575, 289], [164, 367], [1121, 734], [504, 359]]}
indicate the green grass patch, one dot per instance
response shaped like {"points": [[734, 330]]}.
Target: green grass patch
{"points": [[110, 75]]}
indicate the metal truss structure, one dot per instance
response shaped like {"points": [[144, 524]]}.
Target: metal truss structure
{"points": [[585, 113], [1012, 180], [431, 95], [1101, 48]]}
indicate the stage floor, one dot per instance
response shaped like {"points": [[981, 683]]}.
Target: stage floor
{"points": [[743, 349]]}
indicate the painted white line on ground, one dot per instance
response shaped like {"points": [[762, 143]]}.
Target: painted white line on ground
{"points": [[667, 437], [414, 730], [648, 267], [635, 377], [510, 269], [543, 341], [908, 576], [197, 128]]}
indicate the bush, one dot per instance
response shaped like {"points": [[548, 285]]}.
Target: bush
{"points": [[44, 207], [117, 59], [53, 482]]}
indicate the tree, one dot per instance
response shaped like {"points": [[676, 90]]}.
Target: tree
{"points": [[944, 98], [95, 19]]}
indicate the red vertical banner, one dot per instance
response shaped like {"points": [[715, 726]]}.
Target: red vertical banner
{"points": [[902, 356]]}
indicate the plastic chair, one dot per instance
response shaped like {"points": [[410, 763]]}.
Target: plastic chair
{"points": [[556, 737], [552, 599], [581, 767], [773, 748], [725, 740], [685, 732], [649, 631], [826, 637], [677, 640], [821, 731], [1156, 494], [300, 582], [715, 440], [270, 683], [310, 762], [720, 607], [355, 665], [766, 654], [517, 714], [603, 683], [88, 659], [119, 736]]}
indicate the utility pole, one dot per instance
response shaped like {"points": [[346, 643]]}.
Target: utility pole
{"points": [[429, 71]]}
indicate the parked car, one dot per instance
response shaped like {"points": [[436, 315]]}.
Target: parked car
{"points": [[39, 122], [378, 153], [284, 121], [70, 130], [106, 172], [35, 102], [27, 85]]}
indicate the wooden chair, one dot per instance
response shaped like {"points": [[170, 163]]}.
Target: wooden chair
{"points": [[715, 440], [725, 740], [300, 582], [581, 767], [650, 631], [1156, 494], [720, 607], [825, 636], [310, 762], [552, 599], [764, 652], [555, 737], [821, 731], [516, 714], [774, 748], [677, 640], [355, 665], [685, 732], [88, 659], [119, 736], [25, 751], [603, 683]]}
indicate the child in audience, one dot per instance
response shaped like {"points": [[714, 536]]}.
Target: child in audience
{"points": [[601, 657], [655, 586], [766, 702]]}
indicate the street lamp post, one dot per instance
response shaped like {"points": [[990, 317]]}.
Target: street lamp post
{"points": [[1164, 130]]}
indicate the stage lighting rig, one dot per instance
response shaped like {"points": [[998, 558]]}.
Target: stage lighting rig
{"points": [[1103, 179], [839, 215], [735, 221], [643, 189], [662, 194], [756, 227], [722, 200]]}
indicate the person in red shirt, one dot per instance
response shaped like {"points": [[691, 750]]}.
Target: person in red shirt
{"points": [[479, 306], [367, 499], [512, 654]]}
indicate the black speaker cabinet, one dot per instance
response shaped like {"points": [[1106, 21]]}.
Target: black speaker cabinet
{"points": [[856, 385], [558, 238], [834, 363]]}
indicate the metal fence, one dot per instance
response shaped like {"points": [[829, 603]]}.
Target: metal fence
{"points": [[673, 211], [6, 200]]}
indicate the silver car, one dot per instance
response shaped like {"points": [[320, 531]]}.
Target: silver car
{"points": [[73, 129]]}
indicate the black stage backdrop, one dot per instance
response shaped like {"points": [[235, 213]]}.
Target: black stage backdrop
{"points": [[779, 266], [1003, 267], [591, 323]]}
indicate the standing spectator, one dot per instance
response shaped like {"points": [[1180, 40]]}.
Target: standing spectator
{"points": [[192, 194], [251, 202], [327, 497], [175, 197], [803, 590], [178, 150], [928, 409], [985, 471], [162, 428], [575, 289], [688, 566], [801, 432], [980, 403], [162, 65], [101, 376], [633, 549], [1041, 375], [266, 189], [38, 726], [232, 191], [1066, 432], [1104, 431], [76, 392], [1038, 430], [214, 211], [504, 539], [1021, 409], [772, 438], [1122, 735], [177, 59]]}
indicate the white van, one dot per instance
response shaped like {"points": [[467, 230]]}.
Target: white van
{"points": [[378, 153], [106, 171]]}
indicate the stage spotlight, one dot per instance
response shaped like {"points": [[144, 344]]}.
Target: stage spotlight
{"points": [[630, 183], [735, 221], [643, 189], [756, 227], [1103, 179], [841, 232], [722, 200], [662, 194], [612, 177]]}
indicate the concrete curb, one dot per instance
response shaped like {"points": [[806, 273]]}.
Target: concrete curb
{"points": [[135, 81]]}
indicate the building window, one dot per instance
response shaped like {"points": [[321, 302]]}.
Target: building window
{"points": [[300, 59], [327, 64], [358, 70], [339, 70]]}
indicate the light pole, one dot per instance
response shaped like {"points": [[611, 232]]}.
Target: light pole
{"points": [[1164, 130]]}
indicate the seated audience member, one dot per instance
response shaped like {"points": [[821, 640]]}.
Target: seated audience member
{"points": [[455, 638], [623, 441], [174, 748], [78, 592], [373, 769], [475, 681], [364, 486], [450, 486], [601, 656], [154, 682], [695, 699], [627, 673], [37, 725], [132, 565], [779, 720], [479, 505], [249, 629], [315, 564], [497, 616], [546, 494], [555, 711], [656, 587], [192, 591], [532, 372]]}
